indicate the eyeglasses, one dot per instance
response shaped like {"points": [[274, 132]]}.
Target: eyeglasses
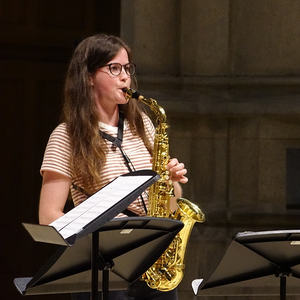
{"points": [[116, 68]]}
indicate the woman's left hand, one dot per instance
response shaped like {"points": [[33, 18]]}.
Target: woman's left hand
{"points": [[177, 171]]}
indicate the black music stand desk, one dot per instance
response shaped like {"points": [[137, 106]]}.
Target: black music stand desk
{"points": [[123, 247], [256, 263], [127, 247]]}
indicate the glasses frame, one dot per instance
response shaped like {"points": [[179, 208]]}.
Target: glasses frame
{"points": [[122, 67]]}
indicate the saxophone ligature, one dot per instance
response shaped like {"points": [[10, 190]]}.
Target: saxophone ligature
{"points": [[167, 272]]}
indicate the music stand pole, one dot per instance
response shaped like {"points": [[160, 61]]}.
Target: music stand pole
{"points": [[99, 263], [105, 284], [94, 266], [282, 286]]}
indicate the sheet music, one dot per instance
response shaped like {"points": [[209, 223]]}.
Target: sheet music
{"points": [[74, 220]]}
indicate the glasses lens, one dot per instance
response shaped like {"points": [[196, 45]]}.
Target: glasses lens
{"points": [[130, 69], [115, 69]]}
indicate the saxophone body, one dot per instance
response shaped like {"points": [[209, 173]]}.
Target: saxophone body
{"points": [[167, 272]]}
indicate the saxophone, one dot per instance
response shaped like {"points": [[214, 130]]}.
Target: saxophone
{"points": [[167, 272]]}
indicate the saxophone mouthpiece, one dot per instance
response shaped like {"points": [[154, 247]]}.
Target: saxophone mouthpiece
{"points": [[131, 93]]}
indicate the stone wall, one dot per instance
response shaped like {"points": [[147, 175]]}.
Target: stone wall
{"points": [[227, 72]]}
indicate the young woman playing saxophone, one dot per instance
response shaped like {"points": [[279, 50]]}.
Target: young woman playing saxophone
{"points": [[79, 159]]}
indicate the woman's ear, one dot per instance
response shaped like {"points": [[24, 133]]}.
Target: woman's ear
{"points": [[91, 80]]}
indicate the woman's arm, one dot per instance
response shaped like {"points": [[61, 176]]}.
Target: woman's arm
{"points": [[177, 175], [53, 197], [178, 194]]}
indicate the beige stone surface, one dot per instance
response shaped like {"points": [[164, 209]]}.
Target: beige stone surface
{"points": [[265, 37], [228, 74], [204, 37]]}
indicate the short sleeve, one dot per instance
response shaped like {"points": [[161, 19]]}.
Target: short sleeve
{"points": [[57, 153]]}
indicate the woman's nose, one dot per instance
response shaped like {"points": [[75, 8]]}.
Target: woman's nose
{"points": [[123, 75]]}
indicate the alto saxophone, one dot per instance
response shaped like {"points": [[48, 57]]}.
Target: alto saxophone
{"points": [[167, 272]]}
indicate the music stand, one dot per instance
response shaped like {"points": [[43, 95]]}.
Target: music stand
{"points": [[125, 246], [258, 261]]}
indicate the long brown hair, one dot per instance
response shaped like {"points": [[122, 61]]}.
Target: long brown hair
{"points": [[79, 110]]}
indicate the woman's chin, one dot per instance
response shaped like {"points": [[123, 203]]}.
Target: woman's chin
{"points": [[122, 101]]}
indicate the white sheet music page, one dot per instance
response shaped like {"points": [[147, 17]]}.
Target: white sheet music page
{"points": [[74, 220]]}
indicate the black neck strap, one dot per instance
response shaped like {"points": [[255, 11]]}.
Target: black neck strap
{"points": [[119, 139], [117, 142]]}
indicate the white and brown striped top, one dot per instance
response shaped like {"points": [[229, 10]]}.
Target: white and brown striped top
{"points": [[57, 158]]}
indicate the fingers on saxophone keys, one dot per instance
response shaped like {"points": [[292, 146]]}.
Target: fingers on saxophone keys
{"points": [[172, 163], [180, 176], [183, 179], [178, 169], [181, 172]]}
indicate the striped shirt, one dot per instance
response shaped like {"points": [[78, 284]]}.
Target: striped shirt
{"points": [[58, 151]]}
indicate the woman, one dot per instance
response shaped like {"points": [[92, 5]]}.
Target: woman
{"points": [[80, 157]]}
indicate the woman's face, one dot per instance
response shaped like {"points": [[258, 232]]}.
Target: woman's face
{"points": [[107, 88]]}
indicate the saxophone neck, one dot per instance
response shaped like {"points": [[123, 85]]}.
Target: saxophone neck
{"points": [[159, 112]]}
